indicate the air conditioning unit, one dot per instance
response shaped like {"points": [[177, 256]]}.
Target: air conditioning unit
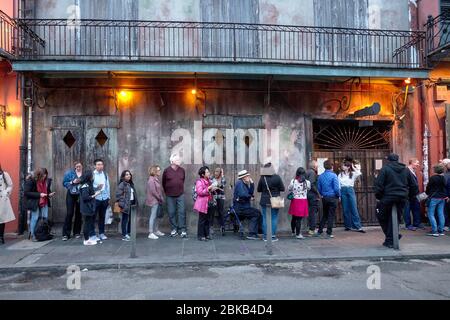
{"points": [[441, 93]]}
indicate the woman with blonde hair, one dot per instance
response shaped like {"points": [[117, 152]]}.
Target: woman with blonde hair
{"points": [[154, 200]]}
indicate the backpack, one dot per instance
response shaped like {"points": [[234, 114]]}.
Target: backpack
{"points": [[42, 230]]}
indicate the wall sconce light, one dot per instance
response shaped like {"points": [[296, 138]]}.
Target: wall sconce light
{"points": [[3, 114]]}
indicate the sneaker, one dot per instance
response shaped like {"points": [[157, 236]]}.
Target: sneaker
{"points": [[293, 233], [65, 238], [95, 238], [202, 239], [184, 234], [160, 234], [433, 234], [420, 226], [174, 233], [252, 237], [330, 236], [411, 228], [311, 233], [153, 236], [89, 242], [274, 239], [360, 231], [125, 238], [446, 229], [77, 236], [103, 237], [300, 236], [442, 234]]}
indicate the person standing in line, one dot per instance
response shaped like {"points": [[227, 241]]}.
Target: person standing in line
{"points": [[313, 197], [37, 191], [298, 208], [126, 197], [413, 204], [347, 177], [219, 182], [101, 182], [203, 189], [173, 185], [270, 184], [394, 185], [87, 207], [6, 210], [71, 182], [154, 200], [330, 191], [437, 193]]}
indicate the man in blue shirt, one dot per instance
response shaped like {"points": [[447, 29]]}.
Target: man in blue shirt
{"points": [[330, 191]]}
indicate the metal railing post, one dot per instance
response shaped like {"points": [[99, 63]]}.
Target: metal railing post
{"points": [[133, 213], [395, 232], [269, 244]]}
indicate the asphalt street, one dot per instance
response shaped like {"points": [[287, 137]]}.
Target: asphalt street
{"points": [[413, 279]]}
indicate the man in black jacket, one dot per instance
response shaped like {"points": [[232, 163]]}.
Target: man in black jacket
{"points": [[393, 187]]}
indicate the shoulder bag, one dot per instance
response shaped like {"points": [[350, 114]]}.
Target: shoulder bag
{"points": [[275, 202]]}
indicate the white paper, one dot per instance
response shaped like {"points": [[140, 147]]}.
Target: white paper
{"points": [[320, 162], [378, 164]]}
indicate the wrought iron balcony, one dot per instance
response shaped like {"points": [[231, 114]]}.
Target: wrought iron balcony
{"points": [[108, 40], [438, 37]]}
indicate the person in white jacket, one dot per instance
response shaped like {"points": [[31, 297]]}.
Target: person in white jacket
{"points": [[6, 211], [347, 177]]}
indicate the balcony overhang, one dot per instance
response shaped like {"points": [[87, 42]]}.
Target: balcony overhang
{"points": [[240, 70]]}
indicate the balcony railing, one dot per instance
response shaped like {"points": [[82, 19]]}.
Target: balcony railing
{"points": [[16, 38], [108, 40], [438, 36]]}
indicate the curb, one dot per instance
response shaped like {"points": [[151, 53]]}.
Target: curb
{"points": [[218, 263]]}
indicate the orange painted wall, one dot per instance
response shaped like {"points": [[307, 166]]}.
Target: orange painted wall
{"points": [[10, 137]]}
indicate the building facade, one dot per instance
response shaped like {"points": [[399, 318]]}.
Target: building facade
{"points": [[229, 84]]}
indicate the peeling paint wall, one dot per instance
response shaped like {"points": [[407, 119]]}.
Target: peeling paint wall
{"points": [[148, 120], [375, 14]]}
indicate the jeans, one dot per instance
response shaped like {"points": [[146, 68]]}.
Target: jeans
{"points": [[203, 225], [436, 205], [384, 215], [329, 211], [274, 215], [88, 227], [100, 209], [35, 216], [73, 207], [176, 205], [350, 209], [126, 224], [219, 208], [414, 206], [313, 209], [153, 222]]}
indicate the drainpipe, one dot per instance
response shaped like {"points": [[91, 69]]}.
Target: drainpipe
{"points": [[23, 158]]}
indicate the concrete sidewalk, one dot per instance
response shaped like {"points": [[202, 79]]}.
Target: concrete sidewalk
{"points": [[19, 254]]}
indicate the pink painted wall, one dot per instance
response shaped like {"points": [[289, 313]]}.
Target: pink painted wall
{"points": [[10, 137]]}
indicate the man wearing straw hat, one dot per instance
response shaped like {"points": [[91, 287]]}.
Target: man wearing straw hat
{"points": [[243, 194]]}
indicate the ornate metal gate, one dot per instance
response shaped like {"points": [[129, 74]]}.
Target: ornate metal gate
{"points": [[339, 139]]}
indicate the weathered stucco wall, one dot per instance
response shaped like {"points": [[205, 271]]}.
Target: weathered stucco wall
{"points": [[160, 110], [376, 14]]}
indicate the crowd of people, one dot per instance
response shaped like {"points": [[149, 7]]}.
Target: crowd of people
{"points": [[89, 196]]}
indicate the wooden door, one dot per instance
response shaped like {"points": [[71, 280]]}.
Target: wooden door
{"points": [[68, 147]]}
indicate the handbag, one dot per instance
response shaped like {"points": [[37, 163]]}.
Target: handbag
{"points": [[117, 208], [275, 202], [290, 196]]}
